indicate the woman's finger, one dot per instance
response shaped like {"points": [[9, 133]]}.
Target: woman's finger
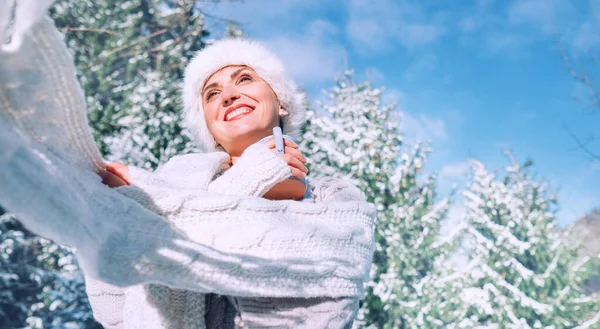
{"points": [[110, 179], [270, 143], [119, 169], [295, 153], [294, 162], [297, 173], [289, 143]]}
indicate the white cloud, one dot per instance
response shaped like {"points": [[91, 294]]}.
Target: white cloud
{"points": [[374, 75], [506, 43], [256, 13], [453, 175], [367, 33], [595, 166], [480, 16], [423, 127], [421, 66], [392, 95], [312, 55], [468, 24], [379, 26], [415, 35], [454, 171], [510, 28], [575, 204], [586, 37], [550, 16]]}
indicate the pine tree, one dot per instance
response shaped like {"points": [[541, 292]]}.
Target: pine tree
{"points": [[525, 272], [40, 283], [130, 57], [354, 137], [234, 31]]}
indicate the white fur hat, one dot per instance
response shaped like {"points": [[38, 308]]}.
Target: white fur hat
{"points": [[238, 52]]}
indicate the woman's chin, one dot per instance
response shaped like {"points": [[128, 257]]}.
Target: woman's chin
{"points": [[245, 128], [247, 134]]}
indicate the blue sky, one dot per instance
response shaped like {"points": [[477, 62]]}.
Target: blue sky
{"points": [[472, 77]]}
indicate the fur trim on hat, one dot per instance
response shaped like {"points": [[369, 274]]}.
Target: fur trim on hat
{"points": [[238, 52]]}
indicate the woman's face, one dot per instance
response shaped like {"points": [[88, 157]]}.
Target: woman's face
{"points": [[240, 108]]}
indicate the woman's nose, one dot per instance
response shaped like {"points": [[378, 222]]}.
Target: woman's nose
{"points": [[228, 96]]}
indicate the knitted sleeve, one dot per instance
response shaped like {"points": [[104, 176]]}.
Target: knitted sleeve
{"points": [[107, 302], [255, 173]]}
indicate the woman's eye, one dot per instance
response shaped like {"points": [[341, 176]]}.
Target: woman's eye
{"points": [[244, 78], [210, 94]]}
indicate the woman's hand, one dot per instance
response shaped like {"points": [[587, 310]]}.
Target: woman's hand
{"points": [[292, 157], [115, 174], [289, 189]]}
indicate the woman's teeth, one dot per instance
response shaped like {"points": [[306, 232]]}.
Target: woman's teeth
{"points": [[237, 112]]}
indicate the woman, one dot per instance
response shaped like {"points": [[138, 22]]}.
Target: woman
{"points": [[305, 257], [230, 106], [235, 92]]}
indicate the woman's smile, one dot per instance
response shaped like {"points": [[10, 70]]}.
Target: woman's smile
{"points": [[237, 112]]}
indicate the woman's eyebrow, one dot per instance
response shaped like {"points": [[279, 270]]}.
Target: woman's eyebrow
{"points": [[232, 76], [237, 72], [214, 84]]}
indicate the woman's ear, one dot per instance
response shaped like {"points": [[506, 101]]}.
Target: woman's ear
{"points": [[283, 112]]}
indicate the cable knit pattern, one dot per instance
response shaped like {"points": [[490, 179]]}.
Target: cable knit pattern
{"points": [[264, 239], [170, 229], [298, 313], [157, 306], [255, 173]]}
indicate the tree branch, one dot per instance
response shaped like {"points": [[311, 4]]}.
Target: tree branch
{"points": [[583, 79], [583, 144], [68, 29]]}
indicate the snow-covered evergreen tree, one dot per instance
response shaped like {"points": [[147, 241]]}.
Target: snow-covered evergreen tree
{"points": [[40, 283], [130, 56], [525, 272], [355, 137], [234, 31]]}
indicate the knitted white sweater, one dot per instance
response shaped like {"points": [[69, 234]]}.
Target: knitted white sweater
{"points": [[160, 307], [193, 239]]}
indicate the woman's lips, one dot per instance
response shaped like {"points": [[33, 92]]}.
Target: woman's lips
{"points": [[238, 112]]}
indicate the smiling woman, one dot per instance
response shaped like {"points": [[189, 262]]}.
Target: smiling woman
{"points": [[236, 72], [235, 93], [239, 108]]}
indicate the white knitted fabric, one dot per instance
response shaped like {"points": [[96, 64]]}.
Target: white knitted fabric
{"points": [[203, 242], [238, 52], [107, 301], [160, 307], [148, 307]]}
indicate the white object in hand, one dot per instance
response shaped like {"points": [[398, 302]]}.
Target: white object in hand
{"points": [[278, 136]]}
